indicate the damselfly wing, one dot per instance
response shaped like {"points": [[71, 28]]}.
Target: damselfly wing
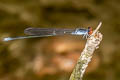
{"points": [[47, 31]]}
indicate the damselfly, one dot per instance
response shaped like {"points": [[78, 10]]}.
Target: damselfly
{"points": [[44, 32]]}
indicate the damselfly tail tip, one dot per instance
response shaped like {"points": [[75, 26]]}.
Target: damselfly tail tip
{"points": [[7, 39]]}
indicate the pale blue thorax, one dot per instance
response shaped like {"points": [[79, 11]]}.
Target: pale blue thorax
{"points": [[80, 32]]}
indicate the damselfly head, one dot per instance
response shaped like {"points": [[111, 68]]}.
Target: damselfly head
{"points": [[90, 31]]}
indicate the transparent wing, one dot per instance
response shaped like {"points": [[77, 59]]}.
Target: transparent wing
{"points": [[47, 31]]}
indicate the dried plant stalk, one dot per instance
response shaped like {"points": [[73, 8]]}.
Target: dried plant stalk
{"points": [[92, 43]]}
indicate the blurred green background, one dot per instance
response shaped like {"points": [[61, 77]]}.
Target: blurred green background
{"points": [[53, 58]]}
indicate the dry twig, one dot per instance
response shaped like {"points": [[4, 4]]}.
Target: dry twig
{"points": [[92, 43]]}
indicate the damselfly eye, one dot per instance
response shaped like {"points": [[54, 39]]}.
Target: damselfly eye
{"points": [[90, 31]]}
